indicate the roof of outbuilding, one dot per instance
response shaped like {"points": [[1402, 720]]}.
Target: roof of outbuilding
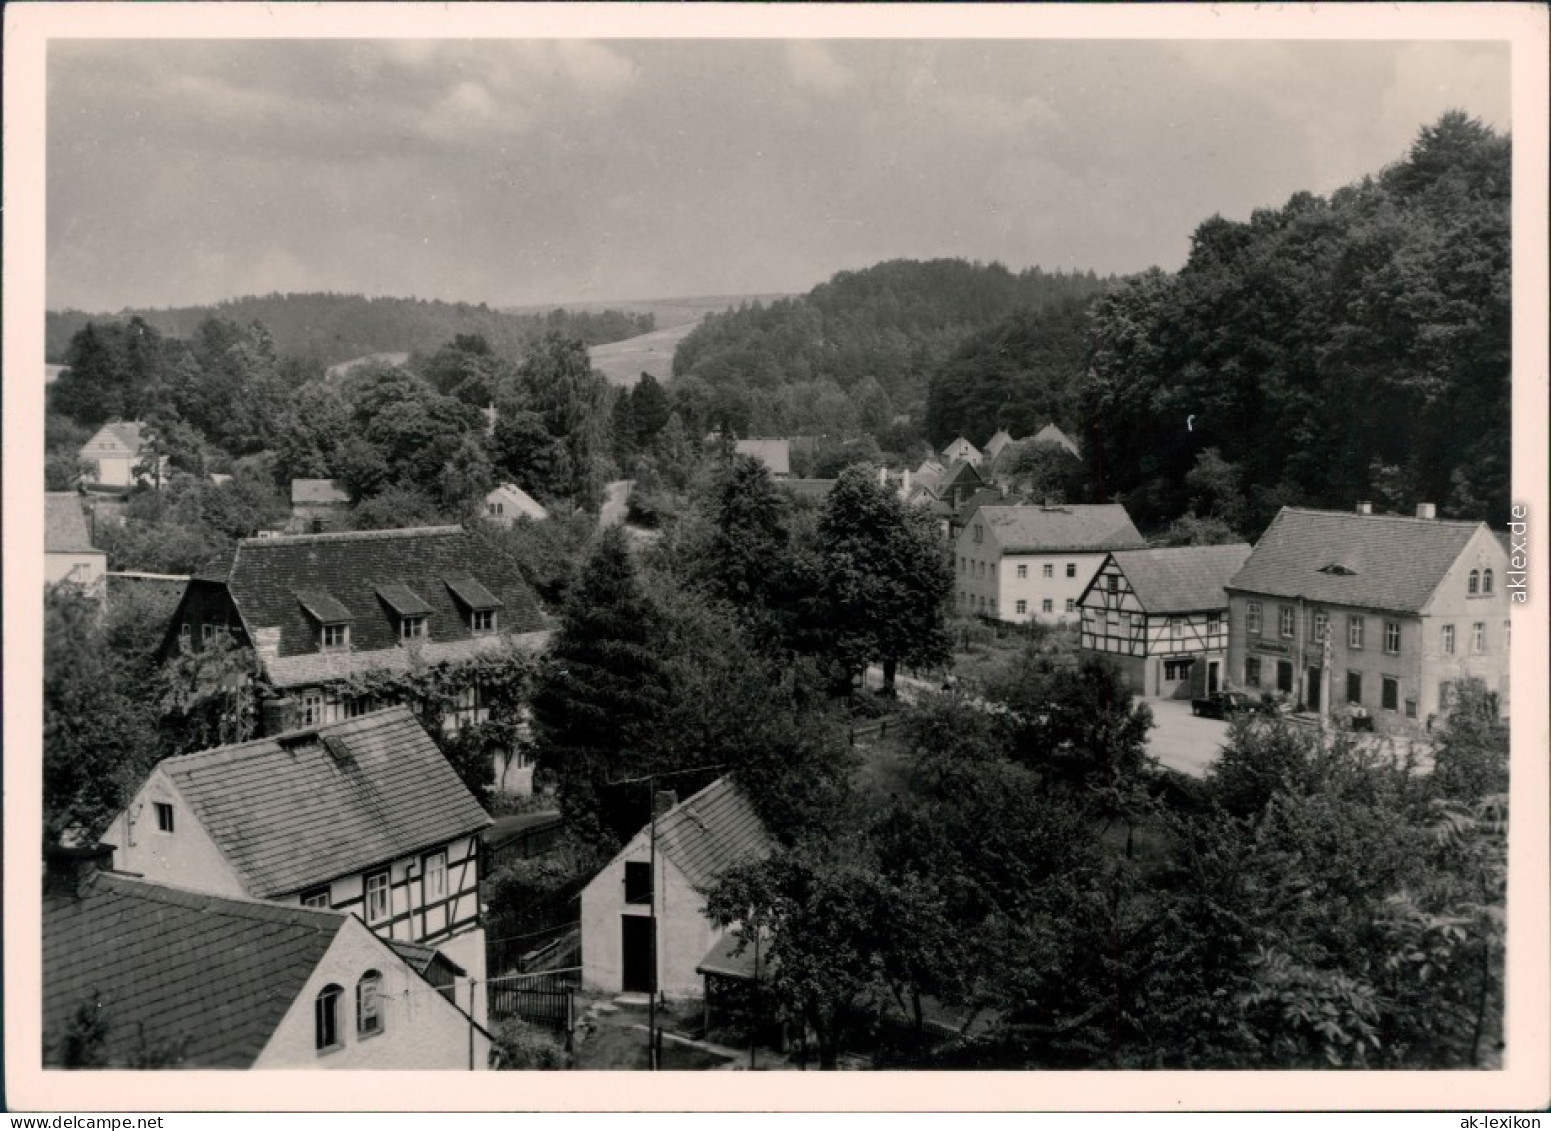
{"points": [[269, 576], [1027, 528], [1382, 561], [211, 975], [287, 813], [1181, 579], [774, 454], [710, 831], [64, 524], [319, 491]]}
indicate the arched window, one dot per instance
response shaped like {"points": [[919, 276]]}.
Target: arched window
{"points": [[1486, 581], [368, 1004], [1475, 582], [326, 1016]]}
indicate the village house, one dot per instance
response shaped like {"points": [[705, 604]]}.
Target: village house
{"points": [[1052, 436], [1024, 563], [1384, 614], [507, 503], [116, 454], [317, 505], [960, 449], [186, 979], [997, 443], [775, 454], [322, 609], [695, 842], [365, 816], [1161, 617], [68, 553]]}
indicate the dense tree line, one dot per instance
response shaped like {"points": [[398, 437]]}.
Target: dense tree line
{"points": [[1326, 351], [325, 329]]}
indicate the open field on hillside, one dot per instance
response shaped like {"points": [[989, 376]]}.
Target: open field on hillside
{"points": [[624, 362]]}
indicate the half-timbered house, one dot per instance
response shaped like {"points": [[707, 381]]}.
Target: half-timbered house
{"points": [[1161, 617], [364, 816]]}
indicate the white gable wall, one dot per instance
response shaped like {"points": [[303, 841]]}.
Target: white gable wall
{"points": [[184, 858]]}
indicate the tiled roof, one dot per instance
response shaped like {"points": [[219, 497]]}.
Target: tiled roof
{"points": [[403, 600], [214, 975], [419, 957], [267, 575], [316, 668], [473, 594], [1027, 528], [287, 814], [1181, 579], [961, 474], [774, 454], [64, 524], [1394, 562], [319, 491], [710, 831], [1050, 434]]}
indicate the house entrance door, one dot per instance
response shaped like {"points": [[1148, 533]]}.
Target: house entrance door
{"points": [[1311, 688], [636, 950], [1212, 677]]}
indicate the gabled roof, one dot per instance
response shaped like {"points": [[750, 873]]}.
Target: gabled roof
{"points": [[287, 813], [268, 576], [961, 474], [419, 957], [1027, 528], [120, 434], [960, 448], [1381, 561], [710, 831], [1050, 434], [515, 495], [213, 975], [1180, 579], [64, 525], [319, 491], [774, 454], [996, 443]]}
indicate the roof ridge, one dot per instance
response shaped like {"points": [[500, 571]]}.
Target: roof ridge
{"points": [[352, 536], [1469, 522], [257, 910]]}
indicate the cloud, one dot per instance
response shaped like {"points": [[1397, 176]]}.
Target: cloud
{"points": [[596, 67], [813, 66]]}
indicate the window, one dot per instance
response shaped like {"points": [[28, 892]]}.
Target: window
{"points": [[1410, 708], [963, 565], [368, 1004], [1213, 622], [411, 628], [1048, 570], [1251, 671], [312, 708], [163, 816], [186, 634], [1448, 640], [1354, 633], [1286, 616], [1175, 624], [1486, 581], [1071, 604], [979, 532], [325, 1013], [497, 508], [360, 705], [1023, 607], [1047, 606], [482, 621], [1071, 569], [317, 897], [1354, 687], [1478, 637], [435, 875], [1176, 670], [1475, 582], [378, 900], [206, 633], [1023, 571], [638, 881], [1252, 618], [336, 637], [1114, 584], [1320, 626], [1390, 696], [1392, 637]]}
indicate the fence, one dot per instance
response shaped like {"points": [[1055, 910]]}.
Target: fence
{"points": [[546, 999]]}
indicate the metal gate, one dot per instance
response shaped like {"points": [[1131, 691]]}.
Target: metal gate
{"points": [[546, 999]]}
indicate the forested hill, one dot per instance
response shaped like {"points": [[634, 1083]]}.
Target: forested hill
{"points": [[895, 322], [324, 329]]}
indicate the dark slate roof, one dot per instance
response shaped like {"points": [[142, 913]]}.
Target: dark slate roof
{"points": [[732, 956], [1027, 528], [1181, 579], [64, 524], [472, 593], [267, 575], [419, 957], [710, 831], [962, 473], [403, 600], [1390, 561], [219, 973], [287, 813], [323, 606]]}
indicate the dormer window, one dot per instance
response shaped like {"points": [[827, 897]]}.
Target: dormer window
{"points": [[332, 616], [408, 608], [411, 628], [479, 604], [482, 622], [336, 637]]}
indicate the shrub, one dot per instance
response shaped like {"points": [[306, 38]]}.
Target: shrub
{"points": [[518, 1046]]}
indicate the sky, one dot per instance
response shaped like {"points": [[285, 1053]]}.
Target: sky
{"points": [[521, 172]]}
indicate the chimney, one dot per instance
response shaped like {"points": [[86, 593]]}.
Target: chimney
{"points": [[1426, 510], [1364, 508], [277, 716], [68, 869]]}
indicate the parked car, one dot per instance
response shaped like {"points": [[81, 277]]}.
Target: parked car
{"points": [[1222, 704]]}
